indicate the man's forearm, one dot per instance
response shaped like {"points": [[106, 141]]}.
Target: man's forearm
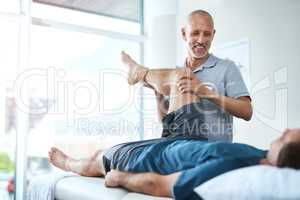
{"points": [[162, 105], [147, 183], [240, 107]]}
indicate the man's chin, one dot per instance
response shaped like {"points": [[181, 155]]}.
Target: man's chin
{"points": [[200, 57]]}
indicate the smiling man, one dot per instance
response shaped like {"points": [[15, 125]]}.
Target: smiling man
{"points": [[216, 81], [198, 33]]}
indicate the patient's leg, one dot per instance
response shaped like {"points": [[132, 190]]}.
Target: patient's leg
{"points": [[86, 167], [163, 81], [147, 183], [158, 79]]}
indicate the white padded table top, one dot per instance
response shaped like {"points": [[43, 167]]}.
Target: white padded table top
{"points": [[88, 188]]}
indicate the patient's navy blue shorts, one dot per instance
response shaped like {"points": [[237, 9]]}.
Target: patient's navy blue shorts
{"points": [[184, 123], [182, 148], [187, 120], [196, 160]]}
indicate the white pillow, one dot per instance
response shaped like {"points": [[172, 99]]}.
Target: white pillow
{"points": [[256, 182]]}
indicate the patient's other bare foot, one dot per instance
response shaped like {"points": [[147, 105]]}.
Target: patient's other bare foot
{"points": [[58, 158], [113, 178], [136, 72]]}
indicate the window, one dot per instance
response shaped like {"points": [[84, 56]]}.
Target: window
{"points": [[78, 93], [79, 96], [82, 80], [9, 61], [10, 6]]}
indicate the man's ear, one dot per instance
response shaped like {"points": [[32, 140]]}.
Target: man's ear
{"points": [[183, 33], [214, 33]]}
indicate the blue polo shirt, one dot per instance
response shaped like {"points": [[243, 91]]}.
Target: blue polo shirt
{"points": [[223, 77]]}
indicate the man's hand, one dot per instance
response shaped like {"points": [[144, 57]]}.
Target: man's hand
{"points": [[191, 84], [240, 107]]}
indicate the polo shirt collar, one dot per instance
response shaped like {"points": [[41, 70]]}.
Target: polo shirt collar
{"points": [[209, 63]]}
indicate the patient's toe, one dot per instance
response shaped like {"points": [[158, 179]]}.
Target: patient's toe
{"points": [[57, 158]]}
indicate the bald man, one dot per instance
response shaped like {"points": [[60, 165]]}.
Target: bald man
{"points": [[217, 82]]}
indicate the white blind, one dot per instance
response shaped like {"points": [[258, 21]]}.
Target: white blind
{"points": [[124, 9]]}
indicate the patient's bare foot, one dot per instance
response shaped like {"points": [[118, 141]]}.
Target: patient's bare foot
{"points": [[114, 177], [136, 72], [59, 159]]}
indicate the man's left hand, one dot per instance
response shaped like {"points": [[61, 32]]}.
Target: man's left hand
{"points": [[191, 84]]}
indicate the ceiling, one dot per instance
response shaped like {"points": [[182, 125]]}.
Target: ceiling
{"points": [[125, 9]]}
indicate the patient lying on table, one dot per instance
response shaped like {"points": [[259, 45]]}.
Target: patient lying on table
{"points": [[183, 158]]}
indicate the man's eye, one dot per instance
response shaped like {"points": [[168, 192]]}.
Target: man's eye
{"points": [[207, 34], [195, 33]]}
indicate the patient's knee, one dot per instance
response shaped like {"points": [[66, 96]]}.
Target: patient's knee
{"points": [[180, 73], [97, 154], [92, 166]]}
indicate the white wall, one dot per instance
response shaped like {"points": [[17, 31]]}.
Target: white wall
{"points": [[160, 19], [272, 28], [160, 27]]}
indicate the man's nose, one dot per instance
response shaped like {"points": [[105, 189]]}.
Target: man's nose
{"points": [[200, 39]]}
